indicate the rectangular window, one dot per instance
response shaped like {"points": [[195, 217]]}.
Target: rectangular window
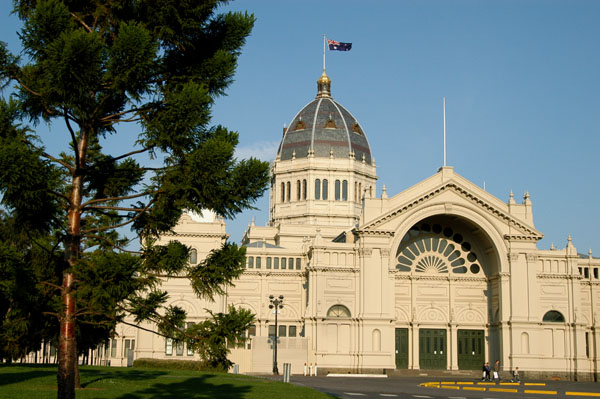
{"points": [[258, 262], [252, 331], [169, 346], [325, 189], [586, 272], [282, 330], [271, 330], [180, 348], [129, 345], [587, 344], [282, 192], [283, 263], [304, 189], [298, 190], [298, 264], [290, 263], [268, 262], [190, 350], [250, 262], [292, 331], [345, 190], [275, 263], [337, 190], [113, 348], [596, 273], [318, 189]]}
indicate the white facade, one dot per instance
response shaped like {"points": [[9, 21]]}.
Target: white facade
{"points": [[441, 275]]}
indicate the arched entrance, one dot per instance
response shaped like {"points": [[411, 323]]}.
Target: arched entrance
{"points": [[446, 269]]}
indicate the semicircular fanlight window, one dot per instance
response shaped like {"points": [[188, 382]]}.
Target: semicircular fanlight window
{"points": [[436, 249]]}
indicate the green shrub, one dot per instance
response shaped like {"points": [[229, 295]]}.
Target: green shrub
{"points": [[174, 364]]}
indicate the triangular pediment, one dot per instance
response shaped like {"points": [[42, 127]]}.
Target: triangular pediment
{"points": [[450, 189]]}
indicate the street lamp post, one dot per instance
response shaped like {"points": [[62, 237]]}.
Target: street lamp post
{"points": [[276, 304]]}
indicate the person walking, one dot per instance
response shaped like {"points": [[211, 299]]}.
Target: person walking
{"points": [[486, 368], [516, 375], [497, 370], [483, 372]]}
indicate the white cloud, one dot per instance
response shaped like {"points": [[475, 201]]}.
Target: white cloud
{"points": [[263, 150]]}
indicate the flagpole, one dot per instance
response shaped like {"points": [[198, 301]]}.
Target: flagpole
{"points": [[324, 47], [444, 131]]}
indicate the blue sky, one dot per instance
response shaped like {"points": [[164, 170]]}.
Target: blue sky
{"points": [[521, 81]]}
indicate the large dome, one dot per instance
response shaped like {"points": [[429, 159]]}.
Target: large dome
{"points": [[324, 128]]}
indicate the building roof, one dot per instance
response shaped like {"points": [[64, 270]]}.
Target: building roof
{"points": [[324, 128]]}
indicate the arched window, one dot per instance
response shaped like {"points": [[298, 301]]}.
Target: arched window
{"points": [[289, 191], [376, 340], [318, 189], [325, 189], [553, 316], [193, 256], [345, 190], [304, 189], [298, 190], [360, 193], [355, 191], [337, 190], [525, 343], [282, 192], [338, 311]]}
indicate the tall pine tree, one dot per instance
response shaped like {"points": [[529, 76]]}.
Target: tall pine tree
{"points": [[88, 68]]}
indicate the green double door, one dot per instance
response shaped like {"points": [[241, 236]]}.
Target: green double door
{"points": [[470, 349], [401, 348], [432, 349]]}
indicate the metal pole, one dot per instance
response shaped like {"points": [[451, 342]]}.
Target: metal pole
{"points": [[275, 369], [444, 131]]}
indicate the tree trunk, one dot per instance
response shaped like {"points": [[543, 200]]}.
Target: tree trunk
{"points": [[66, 342], [67, 362]]}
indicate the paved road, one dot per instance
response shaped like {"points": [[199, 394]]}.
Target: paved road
{"points": [[410, 388]]}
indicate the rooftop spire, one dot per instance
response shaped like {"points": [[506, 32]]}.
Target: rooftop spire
{"points": [[324, 86]]}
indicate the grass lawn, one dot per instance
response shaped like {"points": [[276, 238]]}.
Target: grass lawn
{"points": [[39, 381]]}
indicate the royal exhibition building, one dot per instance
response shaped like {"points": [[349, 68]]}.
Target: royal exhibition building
{"points": [[442, 275]]}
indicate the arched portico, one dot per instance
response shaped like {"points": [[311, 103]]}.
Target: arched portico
{"points": [[447, 268]]}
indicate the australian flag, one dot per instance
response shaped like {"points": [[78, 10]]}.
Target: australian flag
{"points": [[333, 45]]}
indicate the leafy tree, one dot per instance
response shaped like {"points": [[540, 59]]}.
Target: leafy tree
{"points": [[88, 69], [215, 334], [24, 302]]}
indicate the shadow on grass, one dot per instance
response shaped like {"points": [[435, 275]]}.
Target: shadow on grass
{"points": [[16, 373], [92, 375], [193, 387]]}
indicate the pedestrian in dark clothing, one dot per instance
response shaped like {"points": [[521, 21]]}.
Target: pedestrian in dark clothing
{"points": [[497, 370]]}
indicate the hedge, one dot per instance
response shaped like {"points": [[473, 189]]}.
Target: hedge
{"points": [[174, 364]]}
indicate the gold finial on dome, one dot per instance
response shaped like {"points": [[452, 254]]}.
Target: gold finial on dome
{"points": [[324, 86]]}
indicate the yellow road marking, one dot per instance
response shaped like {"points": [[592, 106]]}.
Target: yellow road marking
{"points": [[582, 393], [510, 383], [449, 387], [474, 388], [503, 390], [540, 392], [448, 382], [486, 383], [541, 384], [465, 383]]}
